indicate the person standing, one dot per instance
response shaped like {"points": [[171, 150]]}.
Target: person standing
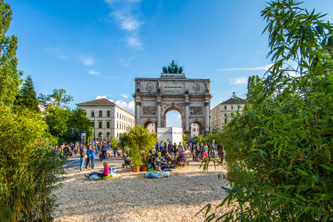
{"points": [[180, 147], [175, 149], [170, 148], [205, 152], [221, 153], [82, 155], [93, 151], [88, 154], [156, 147], [161, 146]]}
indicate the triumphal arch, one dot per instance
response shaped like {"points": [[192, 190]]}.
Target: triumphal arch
{"points": [[154, 97]]}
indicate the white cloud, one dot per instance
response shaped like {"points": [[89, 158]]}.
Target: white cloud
{"points": [[134, 42], [239, 80], [104, 97], [122, 12], [266, 67], [128, 106], [87, 60], [93, 72], [126, 20], [124, 96]]}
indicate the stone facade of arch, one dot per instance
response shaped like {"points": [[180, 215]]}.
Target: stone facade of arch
{"points": [[154, 97]]}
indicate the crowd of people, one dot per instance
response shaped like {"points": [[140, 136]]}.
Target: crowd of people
{"points": [[161, 156], [165, 154], [88, 152]]}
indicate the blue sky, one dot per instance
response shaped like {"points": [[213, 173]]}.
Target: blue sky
{"points": [[95, 48]]}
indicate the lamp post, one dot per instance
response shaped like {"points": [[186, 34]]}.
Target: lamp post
{"points": [[94, 130]]}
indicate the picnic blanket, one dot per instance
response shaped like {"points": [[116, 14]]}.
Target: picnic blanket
{"points": [[157, 174]]}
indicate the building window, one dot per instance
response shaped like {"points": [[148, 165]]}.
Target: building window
{"points": [[225, 120], [225, 115], [100, 124], [93, 124], [100, 113], [108, 135], [225, 107], [117, 125], [232, 107], [92, 114], [108, 114], [107, 124]]}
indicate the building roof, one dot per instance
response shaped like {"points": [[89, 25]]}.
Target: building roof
{"points": [[102, 101], [233, 100]]}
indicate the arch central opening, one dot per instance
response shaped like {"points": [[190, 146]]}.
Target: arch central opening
{"points": [[173, 119], [195, 129]]}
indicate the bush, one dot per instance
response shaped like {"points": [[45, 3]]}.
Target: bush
{"points": [[28, 167], [138, 140], [281, 146]]}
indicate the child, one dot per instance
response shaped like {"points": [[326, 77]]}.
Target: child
{"points": [[104, 174]]}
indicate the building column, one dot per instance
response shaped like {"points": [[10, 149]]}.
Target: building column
{"points": [[137, 110], [187, 117], [158, 112], [206, 117]]}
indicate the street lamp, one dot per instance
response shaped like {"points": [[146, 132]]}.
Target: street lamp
{"points": [[94, 130]]}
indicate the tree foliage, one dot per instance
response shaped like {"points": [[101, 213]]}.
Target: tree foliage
{"points": [[280, 147], [28, 167], [114, 142], [9, 76], [27, 96], [59, 98], [57, 120], [77, 122], [138, 140]]}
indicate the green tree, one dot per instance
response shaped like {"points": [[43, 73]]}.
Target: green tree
{"points": [[57, 120], [198, 138], [29, 165], [184, 139], [114, 142], [77, 122], [9, 76], [281, 146], [59, 97], [27, 96]]}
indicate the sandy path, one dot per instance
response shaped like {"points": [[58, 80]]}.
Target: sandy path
{"points": [[131, 197]]}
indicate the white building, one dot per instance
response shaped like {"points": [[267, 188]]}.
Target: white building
{"points": [[109, 120], [221, 114]]}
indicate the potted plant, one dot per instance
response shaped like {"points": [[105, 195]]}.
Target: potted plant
{"points": [[135, 157], [136, 165]]}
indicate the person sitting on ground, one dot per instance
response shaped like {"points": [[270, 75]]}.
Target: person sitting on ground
{"points": [[168, 158], [103, 174]]}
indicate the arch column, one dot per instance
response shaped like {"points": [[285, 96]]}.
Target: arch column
{"points": [[206, 116], [158, 112], [187, 117], [137, 109]]}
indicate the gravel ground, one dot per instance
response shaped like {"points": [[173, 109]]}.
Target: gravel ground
{"points": [[131, 197]]}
